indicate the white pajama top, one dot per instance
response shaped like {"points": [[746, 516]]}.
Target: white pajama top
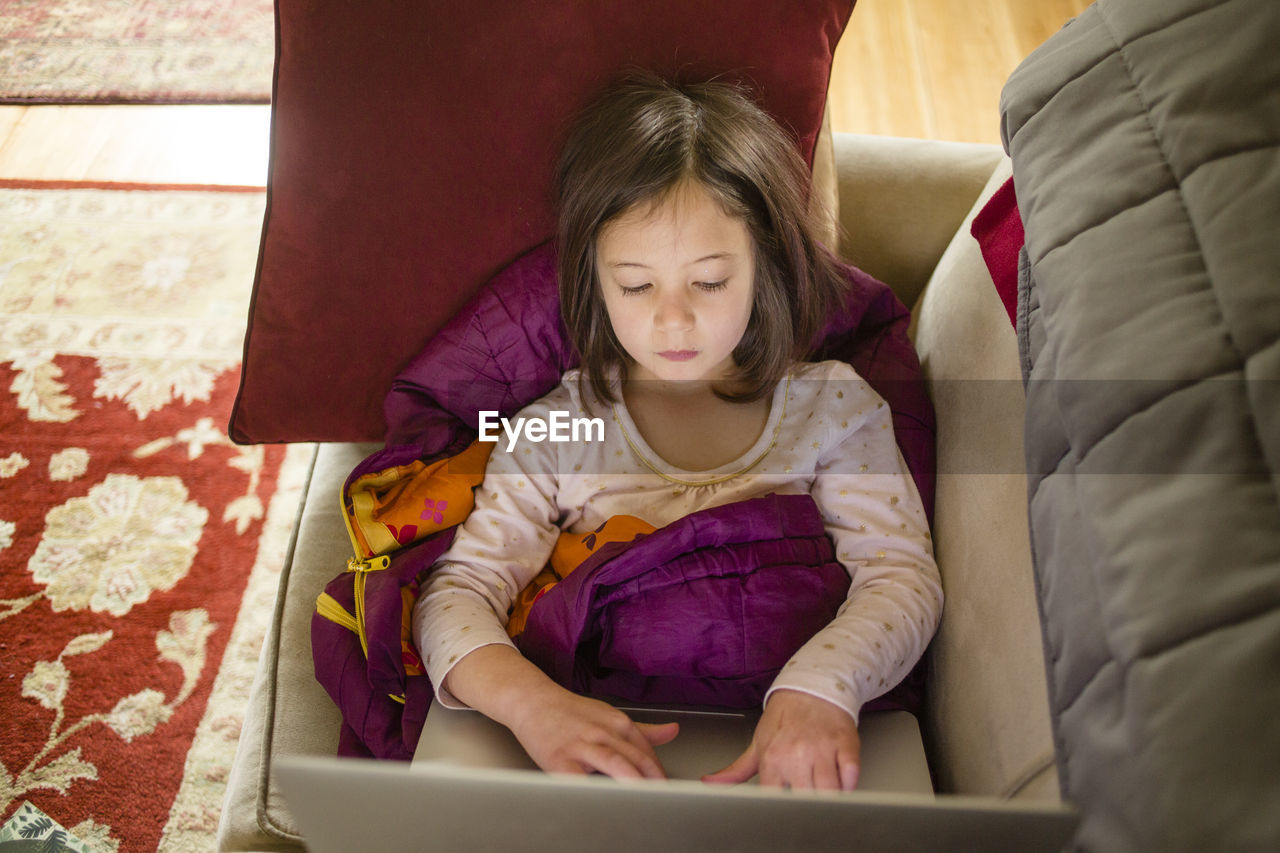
{"points": [[828, 435]]}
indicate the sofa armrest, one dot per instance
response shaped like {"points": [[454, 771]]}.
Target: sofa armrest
{"points": [[902, 200], [987, 716]]}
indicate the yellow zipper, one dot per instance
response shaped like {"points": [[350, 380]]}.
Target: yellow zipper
{"points": [[329, 608], [361, 566]]}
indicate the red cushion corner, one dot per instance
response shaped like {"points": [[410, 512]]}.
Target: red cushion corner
{"points": [[998, 230]]}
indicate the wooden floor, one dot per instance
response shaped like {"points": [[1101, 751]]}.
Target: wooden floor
{"points": [[222, 144], [922, 68], [934, 68]]}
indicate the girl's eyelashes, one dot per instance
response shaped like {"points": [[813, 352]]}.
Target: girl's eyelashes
{"points": [[707, 286]]}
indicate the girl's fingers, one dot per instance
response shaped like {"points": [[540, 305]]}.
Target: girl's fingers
{"points": [[771, 777], [849, 764], [798, 777], [809, 769], [632, 749], [740, 770], [658, 734], [849, 772], [826, 775], [613, 760], [642, 738], [608, 743], [567, 766]]}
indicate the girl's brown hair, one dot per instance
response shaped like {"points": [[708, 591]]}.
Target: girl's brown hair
{"points": [[639, 141]]}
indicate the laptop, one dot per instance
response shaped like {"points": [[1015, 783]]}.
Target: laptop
{"points": [[468, 789], [892, 755]]}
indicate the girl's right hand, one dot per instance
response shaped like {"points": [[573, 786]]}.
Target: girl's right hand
{"points": [[567, 733]]}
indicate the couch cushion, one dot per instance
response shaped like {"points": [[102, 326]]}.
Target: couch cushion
{"points": [[411, 158], [987, 717], [900, 201], [289, 713]]}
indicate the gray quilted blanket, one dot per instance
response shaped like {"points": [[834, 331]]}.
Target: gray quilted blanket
{"points": [[1145, 139]]}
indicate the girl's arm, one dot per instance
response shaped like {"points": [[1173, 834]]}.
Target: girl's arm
{"points": [[873, 514], [496, 552], [459, 625], [807, 736]]}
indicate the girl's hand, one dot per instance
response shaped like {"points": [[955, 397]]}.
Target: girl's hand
{"points": [[567, 733], [562, 731], [801, 742]]}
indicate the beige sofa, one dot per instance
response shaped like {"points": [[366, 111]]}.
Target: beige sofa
{"points": [[904, 207]]}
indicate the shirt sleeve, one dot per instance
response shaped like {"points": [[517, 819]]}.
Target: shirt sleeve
{"points": [[876, 520], [503, 544]]}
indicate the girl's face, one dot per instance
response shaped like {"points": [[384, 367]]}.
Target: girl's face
{"points": [[678, 279]]}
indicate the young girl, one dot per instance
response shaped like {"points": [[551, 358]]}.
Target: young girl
{"points": [[691, 284]]}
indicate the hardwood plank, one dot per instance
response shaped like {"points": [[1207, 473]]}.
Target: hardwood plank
{"points": [[10, 115], [876, 85], [1035, 22], [935, 68], [149, 144], [53, 142], [966, 59]]}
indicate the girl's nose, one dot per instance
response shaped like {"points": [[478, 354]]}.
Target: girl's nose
{"points": [[673, 313]]}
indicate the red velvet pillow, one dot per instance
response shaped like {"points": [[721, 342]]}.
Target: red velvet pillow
{"points": [[998, 230], [412, 148]]}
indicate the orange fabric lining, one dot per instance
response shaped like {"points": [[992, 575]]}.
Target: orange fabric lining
{"points": [[396, 506], [570, 552]]}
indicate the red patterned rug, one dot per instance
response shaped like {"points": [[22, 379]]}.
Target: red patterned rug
{"points": [[136, 51], [137, 544]]}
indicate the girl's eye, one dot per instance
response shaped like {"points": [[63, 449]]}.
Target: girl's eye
{"points": [[707, 286]]}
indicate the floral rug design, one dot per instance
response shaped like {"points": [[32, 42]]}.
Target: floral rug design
{"points": [[140, 51], [137, 543]]}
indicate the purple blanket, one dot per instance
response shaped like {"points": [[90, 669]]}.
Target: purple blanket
{"points": [[703, 611]]}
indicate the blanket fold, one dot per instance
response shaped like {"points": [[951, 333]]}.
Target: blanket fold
{"points": [[704, 611]]}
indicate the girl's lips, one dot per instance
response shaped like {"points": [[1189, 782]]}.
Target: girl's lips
{"points": [[679, 355]]}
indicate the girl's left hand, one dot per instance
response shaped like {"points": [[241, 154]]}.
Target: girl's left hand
{"points": [[801, 742]]}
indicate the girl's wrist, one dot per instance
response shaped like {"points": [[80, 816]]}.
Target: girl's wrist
{"points": [[499, 682]]}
